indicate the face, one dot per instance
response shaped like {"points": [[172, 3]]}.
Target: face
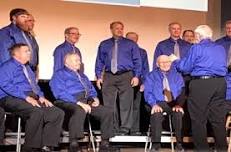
{"points": [[117, 30], [23, 54], [164, 63], [73, 36], [197, 37], [132, 36], [228, 29], [20, 21], [30, 22], [73, 62], [175, 31], [189, 36]]}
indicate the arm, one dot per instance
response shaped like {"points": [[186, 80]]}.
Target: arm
{"points": [[99, 63], [148, 91], [59, 89], [136, 59], [58, 59], [156, 54]]}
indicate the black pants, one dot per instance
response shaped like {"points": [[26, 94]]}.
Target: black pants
{"points": [[2, 124], [205, 103], [156, 122], [136, 109], [119, 85], [43, 125], [78, 115]]}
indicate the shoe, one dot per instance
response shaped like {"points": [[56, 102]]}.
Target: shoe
{"points": [[179, 147], [155, 147], [74, 146], [122, 132], [47, 149]]}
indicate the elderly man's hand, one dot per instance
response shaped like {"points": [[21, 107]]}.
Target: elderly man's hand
{"points": [[95, 103], [134, 81], [178, 108], [99, 82], [156, 109], [86, 107], [46, 102], [32, 101], [172, 57]]}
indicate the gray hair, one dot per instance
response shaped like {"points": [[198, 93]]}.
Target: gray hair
{"points": [[204, 31]]}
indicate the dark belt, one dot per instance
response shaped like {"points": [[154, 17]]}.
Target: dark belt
{"points": [[206, 77], [118, 72]]}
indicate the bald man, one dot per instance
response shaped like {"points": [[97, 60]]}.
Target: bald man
{"points": [[164, 88], [76, 95]]}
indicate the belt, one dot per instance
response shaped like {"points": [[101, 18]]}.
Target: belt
{"points": [[206, 77], [118, 72]]}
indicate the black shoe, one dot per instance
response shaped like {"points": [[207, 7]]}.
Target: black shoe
{"points": [[74, 146], [47, 149], [179, 147], [30, 149], [122, 132], [154, 149]]}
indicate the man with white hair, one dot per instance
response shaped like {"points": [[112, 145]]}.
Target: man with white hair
{"points": [[206, 63], [76, 95], [164, 88]]}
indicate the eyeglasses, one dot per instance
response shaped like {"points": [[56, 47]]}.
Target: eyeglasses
{"points": [[78, 34]]}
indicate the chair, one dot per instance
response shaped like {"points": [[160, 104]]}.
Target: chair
{"points": [[18, 143]]}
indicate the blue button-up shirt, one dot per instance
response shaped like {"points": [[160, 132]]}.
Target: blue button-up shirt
{"points": [[11, 35], [61, 51], [166, 47], [66, 85], [128, 56], [204, 59], [226, 42], [145, 65], [153, 92], [13, 81]]}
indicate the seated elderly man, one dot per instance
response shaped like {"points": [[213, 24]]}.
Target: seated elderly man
{"points": [[76, 95], [164, 91], [20, 94]]}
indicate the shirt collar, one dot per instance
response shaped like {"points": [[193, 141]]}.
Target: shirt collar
{"points": [[205, 41], [69, 44]]}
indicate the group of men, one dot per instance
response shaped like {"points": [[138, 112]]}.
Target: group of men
{"points": [[198, 73]]}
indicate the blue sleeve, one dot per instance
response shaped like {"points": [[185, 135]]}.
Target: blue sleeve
{"points": [[145, 66], [186, 64], [39, 92], [58, 59], [7, 85], [149, 90], [5, 44], [156, 54], [99, 63], [59, 89], [136, 58]]}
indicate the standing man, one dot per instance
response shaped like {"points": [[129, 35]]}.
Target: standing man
{"points": [[18, 32], [120, 58], [20, 94], [206, 63], [138, 90], [72, 36], [188, 36], [173, 45], [226, 43]]}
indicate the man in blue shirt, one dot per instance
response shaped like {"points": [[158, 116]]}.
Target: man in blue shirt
{"points": [[76, 95], [173, 45], [164, 86], [18, 32], [206, 62], [135, 130], [72, 36], [20, 94], [121, 61], [226, 43]]}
